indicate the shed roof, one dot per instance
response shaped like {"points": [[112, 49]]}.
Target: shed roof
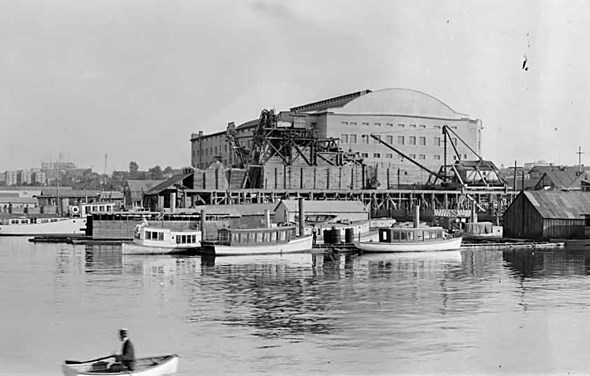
{"points": [[142, 185], [325, 206], [559, 179], [559, 204], [166, 184]]}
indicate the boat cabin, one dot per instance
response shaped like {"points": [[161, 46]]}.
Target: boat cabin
{"points": [[410, 234], [270, 235], [165, 235], [26, 221]]}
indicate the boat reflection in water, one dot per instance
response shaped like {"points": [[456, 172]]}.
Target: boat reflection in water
{"points": [[103, 259], [427, 262]]}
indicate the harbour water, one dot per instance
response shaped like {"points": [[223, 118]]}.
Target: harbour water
{"points": [[465, 312]]}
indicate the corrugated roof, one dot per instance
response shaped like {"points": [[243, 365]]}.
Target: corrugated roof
{"points": [[559, 179], [326, 206], [560, 205]]}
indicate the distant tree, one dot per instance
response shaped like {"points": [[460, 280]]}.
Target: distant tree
{"points": [[155, 173], [133, 169], [168, 171]]}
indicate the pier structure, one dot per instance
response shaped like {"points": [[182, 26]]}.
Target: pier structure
{"points": [[382, 203]]}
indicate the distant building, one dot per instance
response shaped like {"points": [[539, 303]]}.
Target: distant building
{"points": [[25, 176], [409, 120], [11, 177]]}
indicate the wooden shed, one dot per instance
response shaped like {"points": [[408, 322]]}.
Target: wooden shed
{"points": [[543, 215]]}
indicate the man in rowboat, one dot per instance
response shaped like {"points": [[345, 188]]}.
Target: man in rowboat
{"points": [[126, 360]]}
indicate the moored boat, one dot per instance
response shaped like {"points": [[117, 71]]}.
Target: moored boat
{"points": [[411, 238], [41, 226], [149, 240], [149, 366], [257, 241]]}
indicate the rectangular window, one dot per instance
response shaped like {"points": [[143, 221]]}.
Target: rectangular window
{"points": [[365, 155], [365, 138], [377, 124], [353, 123], [389, 155], [401, 140], [422, 126], [344, 123], [437, 141], [389, 139], [422, 156], [344, 138], [375, 141], [216, 150], [464, 156], [437, 157], [455, 141], [353, 138], [366, 124], [413, 156], [412, 140], [437, 126], [412, 125], [376, 155], [390, 124], [423, 141], [401, 125]]}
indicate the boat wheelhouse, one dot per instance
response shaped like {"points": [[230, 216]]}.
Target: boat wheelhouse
{"points": [[256, 241], [41, 226]]}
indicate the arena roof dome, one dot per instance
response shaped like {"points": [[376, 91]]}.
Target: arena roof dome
{"points": [[397, 101]]}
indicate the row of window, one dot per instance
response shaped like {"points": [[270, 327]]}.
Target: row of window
{"points": [[400, 140], [399, 125], [413, 156]]}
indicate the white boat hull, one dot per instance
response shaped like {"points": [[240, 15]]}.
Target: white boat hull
{"points": [[168, 367], [64, 227], [138, 249], [422, 246], [295, 245]]}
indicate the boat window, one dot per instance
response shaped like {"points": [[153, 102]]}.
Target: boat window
{"points": [[194, 238], [385, 236], [282, 236], [419, 235], [235, 238], [395, 235], [258, 237], [273, 237], [403, 235], [426, 235], [265, 237], [433, 234], [160, 236], [243, 237], [411, 235]]}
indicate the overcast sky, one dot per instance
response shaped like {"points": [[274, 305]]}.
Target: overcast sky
{"points": [[132, 79]]}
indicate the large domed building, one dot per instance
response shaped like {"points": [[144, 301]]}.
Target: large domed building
{"points": [[409, 120]]}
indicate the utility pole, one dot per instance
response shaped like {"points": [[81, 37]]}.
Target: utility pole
{"points": [[580, 152]]}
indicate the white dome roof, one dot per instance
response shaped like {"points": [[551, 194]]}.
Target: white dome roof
{"points": [[399, 102]]}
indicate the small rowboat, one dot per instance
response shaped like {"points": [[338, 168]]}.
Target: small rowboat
{"points": [[151, 366]]}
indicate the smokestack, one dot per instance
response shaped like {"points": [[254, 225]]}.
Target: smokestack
{"points": [[202, 224], [416, 216], [301, 218], [267, 217]]}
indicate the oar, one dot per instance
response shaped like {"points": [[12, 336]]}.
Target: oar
{"points": [[88, 361]]}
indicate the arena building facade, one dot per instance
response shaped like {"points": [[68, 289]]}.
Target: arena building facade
{"points": [[409, 120]]}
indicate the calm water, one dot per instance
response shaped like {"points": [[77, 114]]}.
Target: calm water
{"points": [[468, 312]]}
